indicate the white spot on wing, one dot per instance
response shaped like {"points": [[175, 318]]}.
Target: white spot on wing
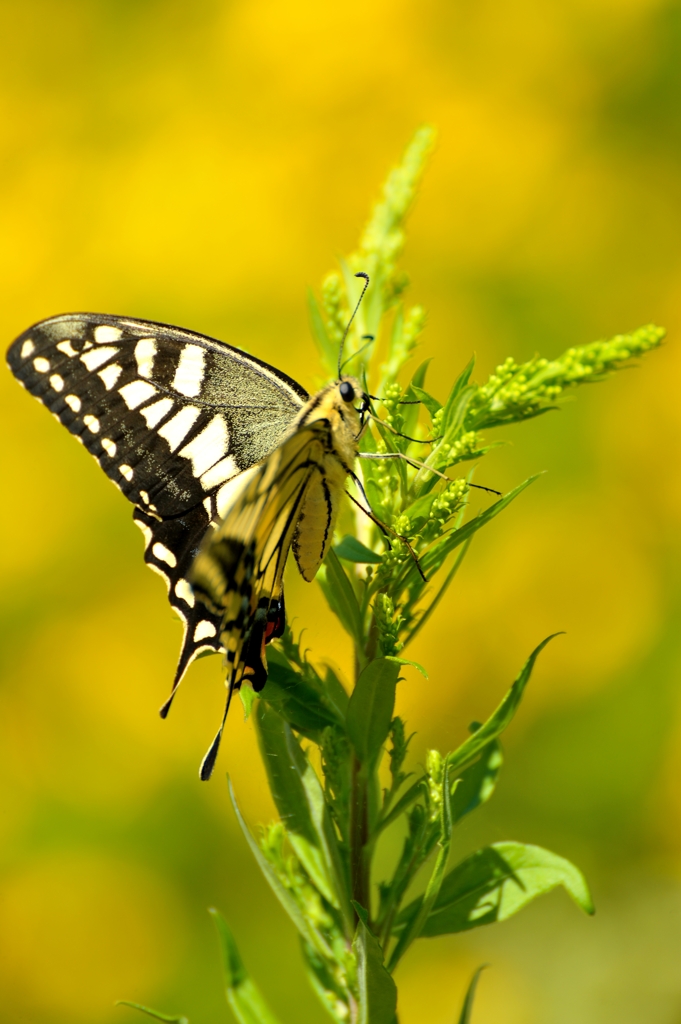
{"points": [[97, 356], [208, 447], [109, 447], [67, 348], [126, 471], [229, 491], [164, 554], [185, 592], [92, 423], [105, 333], [190, 370], [145, 350], [203, 630], [27, 349], [224, 470], [145, 497], [57, 382], [176, 429], [110, 374], [41, 365], [73, 402], [154, 413], [136, 392], [146, 530]]}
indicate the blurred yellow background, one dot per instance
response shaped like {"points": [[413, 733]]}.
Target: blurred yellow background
{"points": [[201, 164]]}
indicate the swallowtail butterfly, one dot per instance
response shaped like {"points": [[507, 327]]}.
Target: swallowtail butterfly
{"points": [[228, 462]]}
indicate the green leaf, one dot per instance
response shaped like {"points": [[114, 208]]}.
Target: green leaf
{"points": [[370, 709], [286, 766], [423, 618], [338, 592], [467, 1007], [377, 990], [308, 709], [411, 412], [434, 558], [405, 661], [431, 404], [327, 350], [300, 801], [153, 1013], [452, 413], [500, 718], [405, 801], [477, 782], [300, 920], [495, 883], [243, 996], [338, 695], [332, 994], [413, 926], [352, 550]]}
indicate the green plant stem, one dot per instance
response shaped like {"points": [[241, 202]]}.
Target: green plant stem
{"points": [[359, 834]]}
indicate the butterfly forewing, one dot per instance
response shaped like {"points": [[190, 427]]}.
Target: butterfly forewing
{"points": [[172, 417]]}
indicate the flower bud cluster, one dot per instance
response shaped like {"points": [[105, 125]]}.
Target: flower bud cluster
{"points": [[517, 391], [464, 448], [391, 398], [448, 501], [435, 776], [332, 297], [388, 625], [292, 877], [384, 474]]}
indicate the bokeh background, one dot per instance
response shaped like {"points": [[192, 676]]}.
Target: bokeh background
{"points": [[201, 164]]}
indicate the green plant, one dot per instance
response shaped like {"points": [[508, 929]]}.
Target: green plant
{"points": [[323, 747]]}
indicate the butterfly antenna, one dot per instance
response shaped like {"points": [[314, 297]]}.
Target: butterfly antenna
{"points": [[368, 338], [354, 313]]}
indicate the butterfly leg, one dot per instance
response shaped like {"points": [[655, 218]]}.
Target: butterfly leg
{"points": [[420, 465], [386, 530]]}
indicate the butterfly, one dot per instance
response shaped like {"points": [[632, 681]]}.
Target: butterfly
{"points": [[229, 464]]}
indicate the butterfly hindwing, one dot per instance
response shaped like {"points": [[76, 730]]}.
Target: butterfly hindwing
{"points": [[238, 574], [172, 418]]}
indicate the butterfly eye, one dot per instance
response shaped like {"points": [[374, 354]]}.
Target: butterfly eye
{"points": [[347, 392]]}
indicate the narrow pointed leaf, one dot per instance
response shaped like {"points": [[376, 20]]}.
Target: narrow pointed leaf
{"points": [[243, 996], [286, 766], [500, 719], [413, 926], [440, 594], [340, 595], [308, 709], [377, 990], [431, 404], [477, 782], [370, 709], [352, 550], [299, 919], [435, 557], [467, 1008], [167, 1018]]}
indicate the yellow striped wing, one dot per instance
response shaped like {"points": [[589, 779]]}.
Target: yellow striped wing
{"points": [[238, 574]]}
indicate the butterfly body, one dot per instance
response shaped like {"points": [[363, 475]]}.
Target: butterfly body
{"points": [[228, 462]]}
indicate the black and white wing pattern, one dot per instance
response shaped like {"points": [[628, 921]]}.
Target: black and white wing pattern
{"points": [[171, 416]]}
